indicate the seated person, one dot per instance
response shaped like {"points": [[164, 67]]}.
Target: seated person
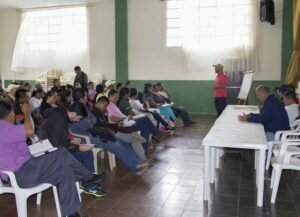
{"points": [[138, 108], [177, 109], [66, 99], [85, 126], [48, 102], [58, 168], [21, 98], [36, 99], [55, 128], [129, 85], [155, 101], [27, 86], [57, 85], [11, 90], [99, 111], [291, 106], [109, 85], [91, 94], [272, 114], [119, 86], [99, 92], [118, 110]]}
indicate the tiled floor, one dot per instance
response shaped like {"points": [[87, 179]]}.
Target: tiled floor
{"points": [[173, 186]]}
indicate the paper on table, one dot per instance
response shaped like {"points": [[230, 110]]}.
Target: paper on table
{"points": [[41, 148]]}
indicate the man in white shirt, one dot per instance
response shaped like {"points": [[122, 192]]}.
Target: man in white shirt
{"points": [[291, 106]]}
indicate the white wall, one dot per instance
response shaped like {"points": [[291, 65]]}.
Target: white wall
{"points": [[150, 59], [102, 41]]}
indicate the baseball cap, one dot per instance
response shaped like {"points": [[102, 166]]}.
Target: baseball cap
{"points": [[109, 82], [220, 66]]}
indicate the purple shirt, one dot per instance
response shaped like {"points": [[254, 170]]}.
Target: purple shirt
{"points": [[14, 151]]}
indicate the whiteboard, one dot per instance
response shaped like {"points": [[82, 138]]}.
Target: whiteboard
{"points": [[246, 85]]}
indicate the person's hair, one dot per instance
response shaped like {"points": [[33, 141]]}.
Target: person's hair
{"points": [[292, 88], [123, 92], [78, 93], [90, 83], [77, 68], [119, 84], [112, 93], [5, 109], [290, 95], [21, 83], [146, 88], [20, 93], [103, 99], [133, 92], [263, 89], [47, 95], [36, 91], [141, 97], [158, 84], [100, 88], [69, 86], [128, 82], [64, 94], [26, 84]]}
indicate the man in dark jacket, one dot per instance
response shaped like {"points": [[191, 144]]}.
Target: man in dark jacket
{"points": [[272, 116], [81, 78]]}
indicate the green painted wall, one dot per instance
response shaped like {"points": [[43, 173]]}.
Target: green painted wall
{"points": [[197, 96], [121, 37], [287, 37]]}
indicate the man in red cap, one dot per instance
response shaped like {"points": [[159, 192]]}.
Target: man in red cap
{"points": [[220, 89]]}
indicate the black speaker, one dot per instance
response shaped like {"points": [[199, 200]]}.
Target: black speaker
{"points": [[267, 11]]}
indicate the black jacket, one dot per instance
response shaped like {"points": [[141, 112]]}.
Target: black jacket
{"points": [[55, 128], [102, 120], [82, 79]]}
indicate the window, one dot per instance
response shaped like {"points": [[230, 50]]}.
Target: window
{"points": [[203, 23], [54, 38]]}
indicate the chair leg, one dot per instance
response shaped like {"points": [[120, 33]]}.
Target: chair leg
{"points": [[272, 178], [114, 160], [38, 199], [270, 144], [79, 191], [56, 199], [102, 155], [110, 161], [276, 184], [95, 154], [21, 202], [217, 158]]}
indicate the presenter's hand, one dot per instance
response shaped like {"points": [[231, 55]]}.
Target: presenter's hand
{"points": [[244, 117]]}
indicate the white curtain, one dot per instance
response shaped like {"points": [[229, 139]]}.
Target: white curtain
{"points": [[217, 31], [52, 39]]}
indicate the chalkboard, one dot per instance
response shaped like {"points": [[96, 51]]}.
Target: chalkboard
{"points": [[246, 85]]}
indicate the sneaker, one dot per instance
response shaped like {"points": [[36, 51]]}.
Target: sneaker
{"points": [[94, 190], [140, 171], [97, 178], [142, 164]]}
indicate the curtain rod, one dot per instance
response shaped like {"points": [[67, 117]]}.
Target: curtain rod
{"points": [[54, 7]]}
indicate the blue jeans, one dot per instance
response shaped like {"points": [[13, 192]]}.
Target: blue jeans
{"points": [[146, 127], [86, 159], [220, 104], [159, 119], [181, 111], [270, 136]]}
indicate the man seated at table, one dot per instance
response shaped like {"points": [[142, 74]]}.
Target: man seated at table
{"points": [[272, 116], [58, 168]]}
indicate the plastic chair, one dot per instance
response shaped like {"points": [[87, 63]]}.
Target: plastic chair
{"points": [[286, 160], [96, 150], [279, 138], [22, 194]]}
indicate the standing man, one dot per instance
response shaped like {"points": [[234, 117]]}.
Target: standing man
{"points": [[220, 89], [81, 78]]}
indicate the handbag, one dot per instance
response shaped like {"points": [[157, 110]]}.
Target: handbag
{"points": [[105, 134]]}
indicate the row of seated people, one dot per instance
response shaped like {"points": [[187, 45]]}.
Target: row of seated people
{"points": [[121, 122]]}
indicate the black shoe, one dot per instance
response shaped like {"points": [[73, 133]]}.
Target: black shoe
{"points": [[97, 178], [193, 122], [76, 215]]}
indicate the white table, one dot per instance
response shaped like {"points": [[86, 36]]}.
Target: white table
{"points": [[229, 132]]}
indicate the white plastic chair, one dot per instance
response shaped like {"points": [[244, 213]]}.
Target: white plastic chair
{"points": [[22, 194], [279, 138], [286, 160], [96, 150]]}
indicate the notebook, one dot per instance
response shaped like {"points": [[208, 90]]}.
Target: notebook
{"points": [[41, 148]]}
